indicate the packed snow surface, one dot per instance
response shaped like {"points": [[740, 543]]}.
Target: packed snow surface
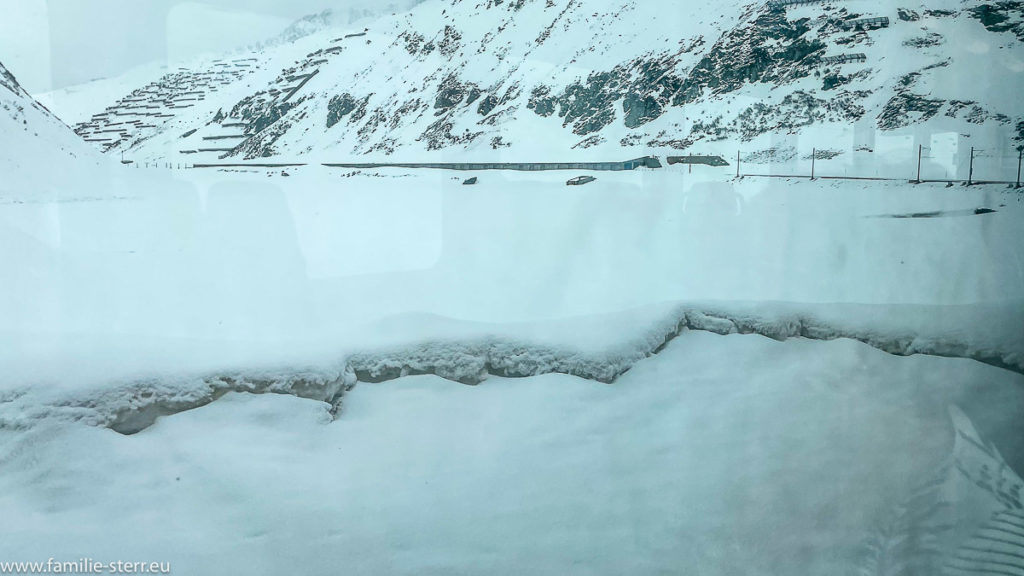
{"points": [[163, 299], [734, 454]]}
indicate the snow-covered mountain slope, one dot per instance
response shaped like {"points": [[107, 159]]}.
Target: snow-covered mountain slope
{"points": [[481, 79], [33, 141], [77, 104]]}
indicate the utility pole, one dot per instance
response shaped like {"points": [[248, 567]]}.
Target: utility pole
{"points": [[970, 173], [1020, 156], [814, 154], [920, 147]]}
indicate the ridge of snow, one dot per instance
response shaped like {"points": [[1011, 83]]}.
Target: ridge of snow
{"points": [[469, 353]]}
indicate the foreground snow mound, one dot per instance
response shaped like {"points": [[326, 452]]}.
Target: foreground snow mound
{"points": [[598, 349], [968, 518], [720, 453], [133, 406], [986, 333]]}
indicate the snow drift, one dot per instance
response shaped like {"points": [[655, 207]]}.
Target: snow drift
{"points": [[471, 353]]}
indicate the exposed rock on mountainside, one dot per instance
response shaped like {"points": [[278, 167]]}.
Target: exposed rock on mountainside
{"points": [[1001, 17], [600, 74]]}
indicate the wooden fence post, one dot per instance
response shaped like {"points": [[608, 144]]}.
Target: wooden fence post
{"points": [[970, 172], [1020, 156], [919, 149]]}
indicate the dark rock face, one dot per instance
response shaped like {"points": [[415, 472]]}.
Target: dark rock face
{"points": [[8, 81], [768, 49], [260, 110], [376, 118], [512, 5], [773, 50], [797, 110], [451, 43], [346, 105], [262, 145], [590, 141], [413, 108], [451, 93], [488, 104], [775, 154], [833, 79], [897, 112], [439, 135], [823, 154], [908, 80], [541, 101], [413, 41], [492, 102], [925, 41], [640, 110], [1006, 16], [339, 107], [588, 107], [907, 15], [972, 112], [272, 125], [645, 87]]}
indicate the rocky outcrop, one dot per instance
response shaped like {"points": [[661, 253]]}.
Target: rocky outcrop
{"points": [[1004, 16], [905, 108], [344, 104]]}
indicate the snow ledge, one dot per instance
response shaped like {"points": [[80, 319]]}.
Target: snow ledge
{"points": [[987, 334]]}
